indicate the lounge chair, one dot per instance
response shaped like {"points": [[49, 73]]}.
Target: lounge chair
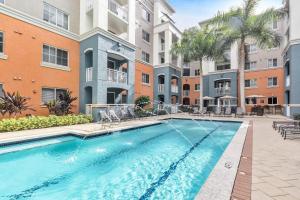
{"points": [[196, 110], [239, 112], [291, 131], [227, 111], [104, 117], [277, 124], [218, 111], [112, 114], [131, 112], [203, 111]]}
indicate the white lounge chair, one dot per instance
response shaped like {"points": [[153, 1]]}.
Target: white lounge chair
{"points": [[104, 116], [113, 115]]}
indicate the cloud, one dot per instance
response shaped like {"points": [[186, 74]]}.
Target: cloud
{"points": [[190, 12]]}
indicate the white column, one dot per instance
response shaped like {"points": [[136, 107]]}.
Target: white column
{"points": [[156, 46], [168, 43], [131, 21], [100, 14]]}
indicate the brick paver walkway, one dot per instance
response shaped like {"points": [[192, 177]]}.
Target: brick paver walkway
{"points": [[276, 164]]}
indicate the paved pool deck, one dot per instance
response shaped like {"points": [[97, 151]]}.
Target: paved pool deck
{"points": [[275, 164]]}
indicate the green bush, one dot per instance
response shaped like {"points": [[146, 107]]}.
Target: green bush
{"points": [[27, 123], [142, 101]]}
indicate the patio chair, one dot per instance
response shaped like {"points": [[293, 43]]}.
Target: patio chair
{"points": [[113, 115], [290, 131], [227, 111], [104, 117], [286, 127], [239, 112], [196, 110], [131, 112], [203, 111], [218, 111], [277, 124]]}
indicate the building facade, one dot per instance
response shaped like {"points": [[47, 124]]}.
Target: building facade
{"points": [[291, 56]]}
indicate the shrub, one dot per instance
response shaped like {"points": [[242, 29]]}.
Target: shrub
{"points": [[142, 101], [297, 117], [27, 123], [63, 105], [13, 103]]}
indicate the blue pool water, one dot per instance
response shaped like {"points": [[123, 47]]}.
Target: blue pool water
{"points": [[171, 160]]}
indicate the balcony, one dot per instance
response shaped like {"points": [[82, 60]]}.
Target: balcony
{"points": [[161, 88], [186, 93], [89, 5], [221, 91], [116, 76], [118, 10], [174, 88], [89, 74]]}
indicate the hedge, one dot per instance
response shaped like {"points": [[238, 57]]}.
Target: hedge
{"points": [[27, 123]]}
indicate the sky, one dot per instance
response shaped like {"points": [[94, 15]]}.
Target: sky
{"points": [[190, 12]]}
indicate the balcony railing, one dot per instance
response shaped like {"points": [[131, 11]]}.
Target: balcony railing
{"points": [[89, 74], [221, 91], [174, 88], [118, 10], [89, 5], [116, 76], [161, 88], [186, 93]]}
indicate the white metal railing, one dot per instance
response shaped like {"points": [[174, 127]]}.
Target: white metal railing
{"points": [[89, 5], [117, 9], [116, 76], [91, 107], [174, 88], [223, 91], [89, 74], [161, 88], [186, 93], [288, 81]]}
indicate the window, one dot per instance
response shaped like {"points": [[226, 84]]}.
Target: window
{"points": [[197, 72], [197, 87], [272, 82], [251, 48], [251, 101], [1, 90], [186, 72], [146, 36], [275, 24], [55, 56], [223, 67], [146, 15], [50, 94], [146, 57], [272, 62], [250, 83], [272, 101], [250, 65], [55, 16], [1, 42], [145, 78]]}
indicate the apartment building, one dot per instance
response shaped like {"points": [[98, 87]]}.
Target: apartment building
{"points": [[39, 50], [291, 57], [167, 67], [144, 80]]}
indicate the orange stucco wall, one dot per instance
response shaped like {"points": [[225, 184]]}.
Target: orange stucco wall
{"points": [[192, 81], [22, 70], [140, 88], [262, 85]]}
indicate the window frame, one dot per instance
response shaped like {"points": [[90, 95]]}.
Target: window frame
{"points": [[252, 65], [144, 59], [272, 100], [146, 17], [196, 87], [147, 36], [251, 85], [272, 60], [251, 51], [1, 88], [3, 35], [55, 93], [147, 76], [55, 64], [57, 10], [273, 78], [197, 72]]}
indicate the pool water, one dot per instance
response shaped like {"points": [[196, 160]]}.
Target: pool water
{"points": [[171, 160]]}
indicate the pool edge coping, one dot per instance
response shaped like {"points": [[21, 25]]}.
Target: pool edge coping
{"points": [[219, 184]]}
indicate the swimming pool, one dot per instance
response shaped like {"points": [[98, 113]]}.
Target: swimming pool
{"points": [[171, 160]]}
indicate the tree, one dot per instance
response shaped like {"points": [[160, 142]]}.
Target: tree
{"points": [[13, 103], [198, 44], [241, 23]]}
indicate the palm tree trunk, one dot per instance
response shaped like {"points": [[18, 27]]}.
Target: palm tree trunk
{"points": [[242, 54], [201, 86]]}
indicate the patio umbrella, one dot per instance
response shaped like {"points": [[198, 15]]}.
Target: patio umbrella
{"points": [[256, 96], [227, 97], [208, 98]]}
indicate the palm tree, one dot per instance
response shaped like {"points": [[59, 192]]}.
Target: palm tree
{"points": [[199, 44], [241, 23]]}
